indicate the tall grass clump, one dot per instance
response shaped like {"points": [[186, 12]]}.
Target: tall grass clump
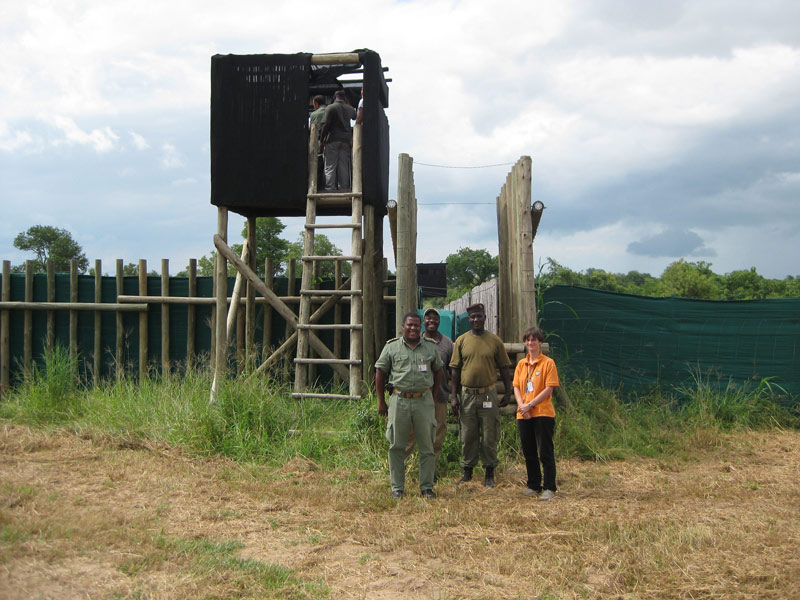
{"points": [[710, 404], [50, 393]]}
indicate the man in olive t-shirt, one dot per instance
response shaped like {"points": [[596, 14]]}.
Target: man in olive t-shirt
{"points": [[476, 356]]}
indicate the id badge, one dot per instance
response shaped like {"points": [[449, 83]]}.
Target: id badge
{"points": [[422, 368], [487, 404], [529, 387]]}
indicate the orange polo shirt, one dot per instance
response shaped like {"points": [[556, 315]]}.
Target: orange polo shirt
{"points": [[541, 372]]}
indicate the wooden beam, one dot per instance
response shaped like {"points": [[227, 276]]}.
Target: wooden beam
{"points": [[349, 58]]}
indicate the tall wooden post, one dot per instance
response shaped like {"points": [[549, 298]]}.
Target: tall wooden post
{"points": [[5, 338], [221, 283], [250, 337], [98, 331], [191, 315], [119, 342], [73, 314], [27, 336], [143, 335], [356, 278], [51, 297], [164, 318], [266, 332], [406, 241]]}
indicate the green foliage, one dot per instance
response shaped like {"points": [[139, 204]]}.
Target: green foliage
{"points": [[468, 268], [51, 243], [680, 278], [322, 247]]}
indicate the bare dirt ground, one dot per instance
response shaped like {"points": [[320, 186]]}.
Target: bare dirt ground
{"points": [[96, 517]]}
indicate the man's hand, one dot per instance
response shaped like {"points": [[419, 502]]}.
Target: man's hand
{"points": [[454, 403], [506, 399], [383, 410]]}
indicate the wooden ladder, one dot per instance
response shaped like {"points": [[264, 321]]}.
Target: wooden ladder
{"points": [[307, 322]]}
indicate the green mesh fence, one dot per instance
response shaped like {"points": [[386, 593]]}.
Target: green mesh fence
{"points": [[639, 343]]}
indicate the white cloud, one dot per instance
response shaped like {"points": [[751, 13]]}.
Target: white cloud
{"points": [[139, 142], [101, 139], [171, 158]]}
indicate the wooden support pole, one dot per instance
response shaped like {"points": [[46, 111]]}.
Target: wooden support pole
{"points": [[73, 314], [119, 341], [269, 281], [406, 241], [191, 315], [165, 318], [221, 283], [143, 337], [391, 211], [250, 337], [27, 335], [5, 338], [337, 319], [348, 58], [356, 278], [98, 323], [291, 273], [236, 297], [51, 297]]}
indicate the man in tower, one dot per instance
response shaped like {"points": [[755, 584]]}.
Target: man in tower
{"points": [[477, 354], [337, 137]]}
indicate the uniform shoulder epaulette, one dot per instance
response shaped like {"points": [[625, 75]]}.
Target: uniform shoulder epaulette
{"points": [[394, 339]]}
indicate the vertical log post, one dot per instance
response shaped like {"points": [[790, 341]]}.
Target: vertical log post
{"points": [[120, 338], [5, 341], [191, 315], [143, 338], [250, 310], [357, 277], [51, 314], [292, 290], [337, 319], [406, 241], [221, 272], [27, 336], [266, 332], [73, 314], [164, 318], [98, 323]]}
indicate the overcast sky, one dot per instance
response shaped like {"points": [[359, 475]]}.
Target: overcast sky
{"points": [[658, 130]]}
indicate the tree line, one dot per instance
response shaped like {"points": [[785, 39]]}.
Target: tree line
{"points": [[466, 268]]}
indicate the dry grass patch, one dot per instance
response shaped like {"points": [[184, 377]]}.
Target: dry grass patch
{"points": [[107, 518]]}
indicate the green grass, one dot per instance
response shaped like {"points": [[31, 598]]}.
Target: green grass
{"points": [[257, 420]]}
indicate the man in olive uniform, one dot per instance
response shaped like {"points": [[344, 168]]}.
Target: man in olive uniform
{"points": [[413, 368], [477, 354]]}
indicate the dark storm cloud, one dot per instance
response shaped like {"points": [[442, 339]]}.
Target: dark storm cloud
{"points": [[672, 243]]}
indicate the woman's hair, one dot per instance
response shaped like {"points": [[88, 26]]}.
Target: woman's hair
{"points": [[533, 332]]}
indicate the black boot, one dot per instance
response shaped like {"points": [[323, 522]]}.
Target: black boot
{"points": [[489, 480], [467, 475]]}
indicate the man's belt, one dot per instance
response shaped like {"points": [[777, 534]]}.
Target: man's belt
{"points": [[412, 394], [480, 390]]}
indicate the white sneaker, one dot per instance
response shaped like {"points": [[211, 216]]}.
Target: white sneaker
{"points": [[547, 495]]}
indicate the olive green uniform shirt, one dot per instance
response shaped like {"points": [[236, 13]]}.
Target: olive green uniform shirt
{"points": [[478, 357], [410, 369]]}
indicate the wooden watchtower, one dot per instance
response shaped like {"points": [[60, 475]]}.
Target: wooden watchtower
{"points": [[264, 157]]}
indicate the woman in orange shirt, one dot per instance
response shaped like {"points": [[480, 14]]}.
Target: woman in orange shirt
{"points": [[534, 380]]}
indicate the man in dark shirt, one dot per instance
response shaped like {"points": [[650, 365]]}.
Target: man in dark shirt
{"points": [[337, 136]]}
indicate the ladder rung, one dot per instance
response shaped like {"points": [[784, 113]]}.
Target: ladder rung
{"points": [[326, 361], [333, 225], [331, 396], [330, 292], [334, 195], [313, 258], [329, 326]]}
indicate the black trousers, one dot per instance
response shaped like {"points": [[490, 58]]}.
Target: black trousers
{"points": [[536, 438]]}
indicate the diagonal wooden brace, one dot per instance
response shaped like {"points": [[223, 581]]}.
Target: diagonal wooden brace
{"points": [[276, 303]]}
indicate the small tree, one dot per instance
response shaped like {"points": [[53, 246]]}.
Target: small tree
{"points": [[51, 243], [468, 268]]}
